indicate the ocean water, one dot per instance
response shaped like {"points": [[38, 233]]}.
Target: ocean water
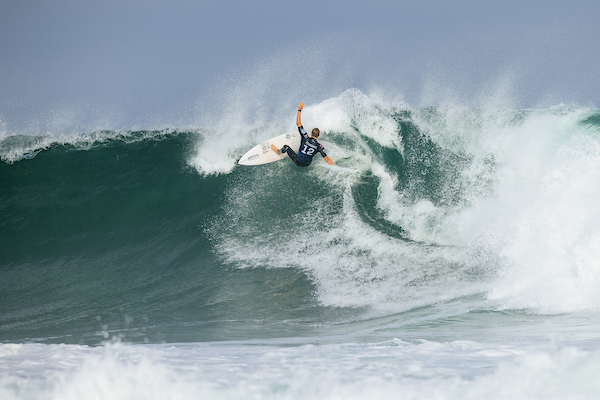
{"points": [[452, 253]]}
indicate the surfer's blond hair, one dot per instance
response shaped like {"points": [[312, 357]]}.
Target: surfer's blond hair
{"points": [[315, 133]]}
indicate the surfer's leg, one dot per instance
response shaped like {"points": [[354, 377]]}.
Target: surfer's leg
{"points": [[287, 149], [292, 154]]}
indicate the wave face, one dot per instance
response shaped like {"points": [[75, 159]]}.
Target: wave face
{"points": [[153, 236]]}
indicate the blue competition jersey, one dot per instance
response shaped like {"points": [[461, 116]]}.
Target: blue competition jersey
{"points": [[308, 147]]}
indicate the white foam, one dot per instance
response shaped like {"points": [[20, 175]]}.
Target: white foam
{"points": [[541, 219], [419, 370], [352, 263], [371, 115], [420, 219]]}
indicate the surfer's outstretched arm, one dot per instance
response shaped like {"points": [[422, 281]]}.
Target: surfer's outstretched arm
{"points": [[325, 157], [300, 107]]}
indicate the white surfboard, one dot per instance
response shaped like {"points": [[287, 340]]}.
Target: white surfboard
{"points": [[262, 153]]}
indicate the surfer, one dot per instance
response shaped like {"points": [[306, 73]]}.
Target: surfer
{"points": [[308, 145]]}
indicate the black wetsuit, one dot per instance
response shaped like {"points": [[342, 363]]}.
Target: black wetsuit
{"points": [[308, 148]]}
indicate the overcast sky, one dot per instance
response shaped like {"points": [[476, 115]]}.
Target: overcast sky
{"points": [[152, 55]]}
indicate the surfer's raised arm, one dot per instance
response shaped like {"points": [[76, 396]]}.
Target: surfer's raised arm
{"points": [[300, 107]]}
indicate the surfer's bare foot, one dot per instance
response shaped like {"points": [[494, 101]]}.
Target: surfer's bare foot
{"points": [[275, 149]]}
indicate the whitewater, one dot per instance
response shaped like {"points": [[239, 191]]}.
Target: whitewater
{"points": [[453, 252]]}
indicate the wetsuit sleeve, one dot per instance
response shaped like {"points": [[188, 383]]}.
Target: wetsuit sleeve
{"points": [[322, 150], [303, 132]]}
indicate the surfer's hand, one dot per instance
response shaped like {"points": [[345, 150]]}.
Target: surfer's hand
{"points": [[301, 106]]}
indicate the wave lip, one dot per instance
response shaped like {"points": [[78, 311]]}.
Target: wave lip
{"points": [[18, 147]]}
